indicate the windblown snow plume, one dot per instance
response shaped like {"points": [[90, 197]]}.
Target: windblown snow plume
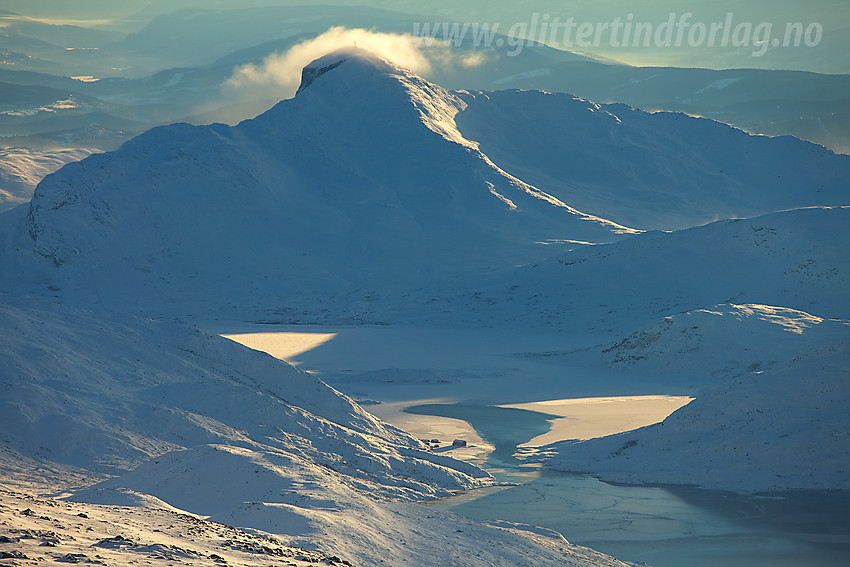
{"points": [[284, 69]]}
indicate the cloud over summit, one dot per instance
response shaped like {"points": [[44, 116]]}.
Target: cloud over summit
{"points": [[283, 70]]}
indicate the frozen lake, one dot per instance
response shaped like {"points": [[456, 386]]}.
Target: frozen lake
{"points": [[448, 384], [662, 526]]}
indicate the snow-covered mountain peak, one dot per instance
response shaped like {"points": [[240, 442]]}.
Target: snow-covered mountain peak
{"points": [[365, 61], [362, 79], [363, 179], [315, 70]]}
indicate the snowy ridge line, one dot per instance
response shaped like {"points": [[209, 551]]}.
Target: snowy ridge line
{"points": [[645, 170], [438, 108], [188, 391], [747, 337], [302, 161], [542, 195], [440, 117]]}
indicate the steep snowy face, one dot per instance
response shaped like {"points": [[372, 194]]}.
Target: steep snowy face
{"points": [[312, 72], [374, 112]]}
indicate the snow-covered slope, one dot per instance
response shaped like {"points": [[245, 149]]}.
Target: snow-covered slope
{"points": [[21, 169], [808, 105], [795, 259], [167, 418], [44, 529], [108, 394], [373, 196], [704, 345], [659, 170], [785, 428]]}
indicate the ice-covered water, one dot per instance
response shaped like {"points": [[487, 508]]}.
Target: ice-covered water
{"points": [[664, 526]]}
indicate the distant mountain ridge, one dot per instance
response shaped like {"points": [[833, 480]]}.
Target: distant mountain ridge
{"points": [[374, 190], [174, 68]]}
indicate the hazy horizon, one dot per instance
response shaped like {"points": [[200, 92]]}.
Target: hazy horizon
{"points": [[718, 34]]}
